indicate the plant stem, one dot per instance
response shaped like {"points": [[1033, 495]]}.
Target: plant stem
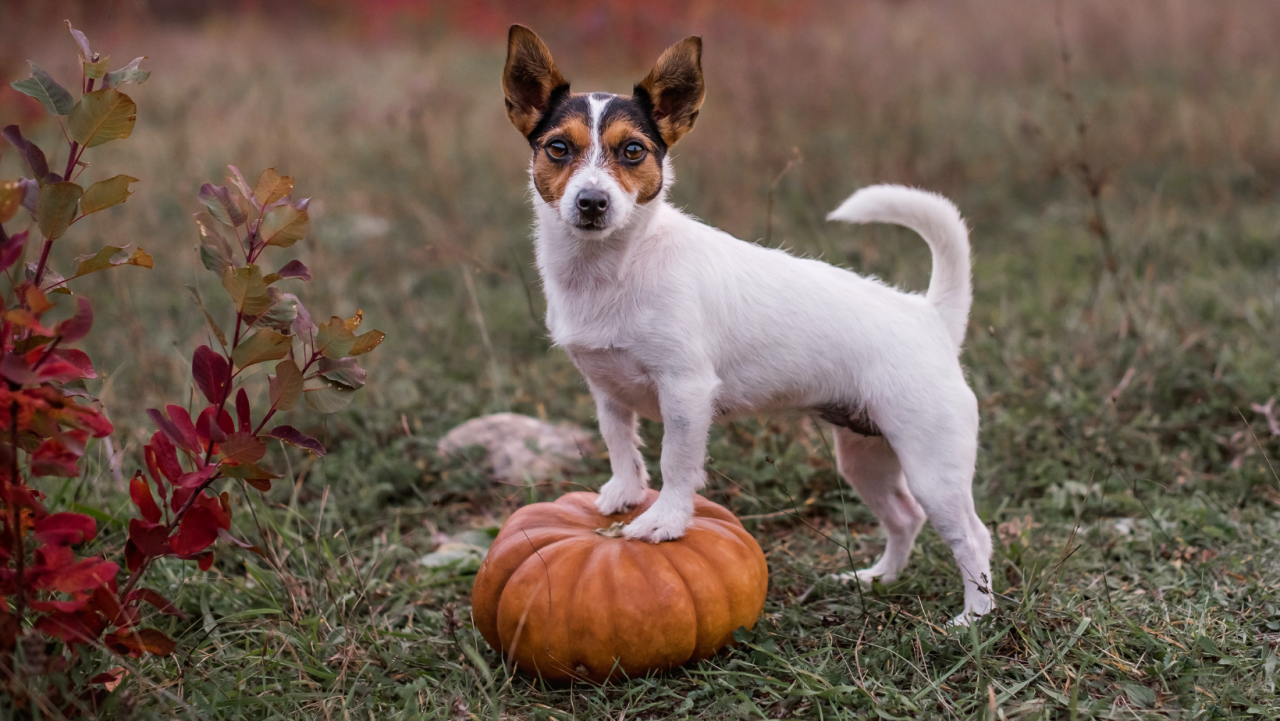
{"points": [[177, 518], [44, 258], [19, 552]]}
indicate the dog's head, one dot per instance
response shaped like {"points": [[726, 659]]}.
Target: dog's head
{"points": [[597, 156]]}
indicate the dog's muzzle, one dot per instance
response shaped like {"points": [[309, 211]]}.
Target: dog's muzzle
{"points": [[592, 205]]}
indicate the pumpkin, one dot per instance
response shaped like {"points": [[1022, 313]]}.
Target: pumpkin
{"points": [[564, 596]]}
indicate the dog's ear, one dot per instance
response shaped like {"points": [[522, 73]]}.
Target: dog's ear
{"points": [[674, 89], [529, 79]]}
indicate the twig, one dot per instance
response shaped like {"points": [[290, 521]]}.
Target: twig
{"points": [[796, 159], [1094, 180], [495, 372]]}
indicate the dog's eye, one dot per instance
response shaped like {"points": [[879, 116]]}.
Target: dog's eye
{"points": [[633, 152], [557, 149]]}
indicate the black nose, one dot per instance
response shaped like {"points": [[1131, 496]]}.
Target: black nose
{"points": [[592, 204]]}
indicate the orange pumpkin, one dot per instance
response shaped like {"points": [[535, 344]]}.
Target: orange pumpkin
{"points": [[564, 596]]}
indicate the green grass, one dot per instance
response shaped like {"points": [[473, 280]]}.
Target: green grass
{"points": [[1138, 560]]}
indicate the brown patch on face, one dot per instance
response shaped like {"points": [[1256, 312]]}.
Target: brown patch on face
{"points": [[551, 175], [642, 180]]}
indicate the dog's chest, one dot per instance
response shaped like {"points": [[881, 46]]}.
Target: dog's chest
{"points": [[621, 375]]}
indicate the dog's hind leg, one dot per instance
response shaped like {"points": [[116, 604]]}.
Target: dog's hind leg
{"points": [[938, 462], [872, 468]]}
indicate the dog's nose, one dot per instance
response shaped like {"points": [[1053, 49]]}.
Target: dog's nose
{"points": [[592, 204]]}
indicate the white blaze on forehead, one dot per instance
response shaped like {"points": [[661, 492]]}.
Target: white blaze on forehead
{"points": [[597, 101]]}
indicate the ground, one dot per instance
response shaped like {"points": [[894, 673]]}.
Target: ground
{"points": [[1127, 476]]}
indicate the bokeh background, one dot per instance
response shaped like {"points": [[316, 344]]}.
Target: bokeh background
{"points": [[1124, 393]]}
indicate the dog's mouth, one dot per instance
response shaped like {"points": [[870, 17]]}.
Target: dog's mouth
{"points": [[591, 226]]}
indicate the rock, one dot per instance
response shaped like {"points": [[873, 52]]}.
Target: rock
{"points": [[521, 448]]}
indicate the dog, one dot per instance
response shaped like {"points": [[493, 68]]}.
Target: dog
{"points": [[676, 321]]}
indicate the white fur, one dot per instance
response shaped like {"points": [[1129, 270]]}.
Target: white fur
{"points": [[677, 321]]}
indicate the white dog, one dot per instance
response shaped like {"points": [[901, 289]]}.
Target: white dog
{"points": [[676, 321]]}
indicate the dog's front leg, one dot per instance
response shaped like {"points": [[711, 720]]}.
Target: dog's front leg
{"points": [[687, 408], [630, 477]]}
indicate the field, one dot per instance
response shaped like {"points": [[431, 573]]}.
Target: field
{"points": [[1129, 478]]}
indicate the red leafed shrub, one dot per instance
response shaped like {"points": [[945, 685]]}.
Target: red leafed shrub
{"points": [[54, 603]]}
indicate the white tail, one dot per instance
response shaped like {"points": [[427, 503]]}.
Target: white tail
{"points": [[938, 221]]}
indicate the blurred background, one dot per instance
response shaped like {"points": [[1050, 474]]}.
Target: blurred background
{"points": [[1132, 389], [389, 113]]}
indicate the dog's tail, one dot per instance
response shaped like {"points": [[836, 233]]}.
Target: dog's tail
{"points": [[938, 221]]}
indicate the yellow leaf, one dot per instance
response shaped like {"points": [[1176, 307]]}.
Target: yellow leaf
{"points": [[98, 261], [286, 387], [366, 342], [142, 258], [247, 289], [284, 226], [333, 340], [271, 186], [36, 300], [96, 70], [101, 116], [10, 199], [106, 193], [263, 345], [354, 321], [56, 208]]}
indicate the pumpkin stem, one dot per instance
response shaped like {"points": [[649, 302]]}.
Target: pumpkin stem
{"points": [[614, 531]]}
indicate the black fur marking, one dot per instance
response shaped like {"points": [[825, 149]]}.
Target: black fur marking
{"points": [[640, 98], [559, 106], [639, 111], [844, 416]]}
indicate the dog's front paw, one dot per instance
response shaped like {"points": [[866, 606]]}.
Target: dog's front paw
{"points": [[659, 523], [618, 495]]}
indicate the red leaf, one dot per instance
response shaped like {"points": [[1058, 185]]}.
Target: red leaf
{"points": [[212, 373], [196, 532], [166, 456], [242, 410], [195, 478], [140, 492], [243, 447], [170, 430], [78, 325], [72, 628], [294, 269], [150, 539], [226, 536], [104, 600], [211, 434], [219, 506], [65, 529], [24, 318], [79, 359], [16, 369], [293, 436], [180, 496], [83, 576], [58, 606], [182, 420], [161, 603], [136, 642], [50, 559], [53, 457], [11, 249], [109, 679]]}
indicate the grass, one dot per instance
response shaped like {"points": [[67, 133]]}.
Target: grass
{"points": [[1138, 560]]}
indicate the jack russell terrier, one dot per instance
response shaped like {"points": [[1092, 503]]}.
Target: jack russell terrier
{"points": [[679, 322]]}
